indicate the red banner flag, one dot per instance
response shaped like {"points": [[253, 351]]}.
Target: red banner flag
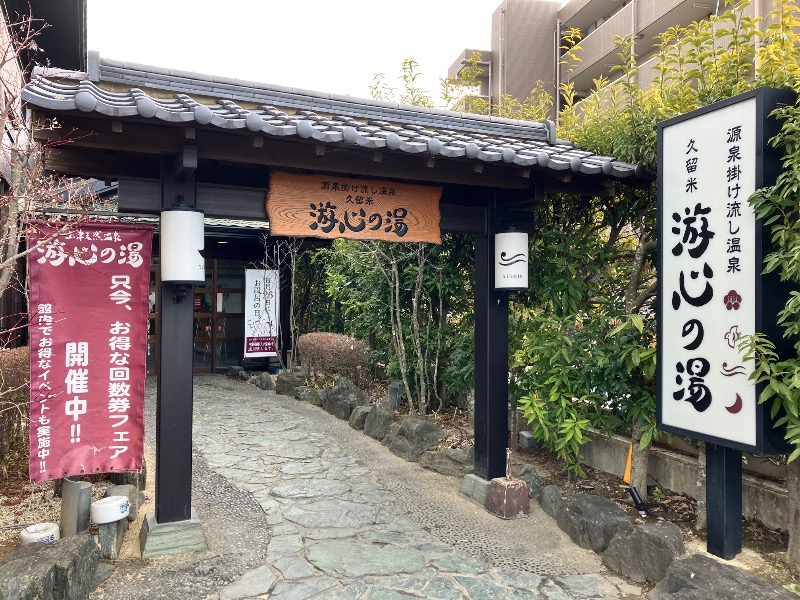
{"points": [[88, 343]]}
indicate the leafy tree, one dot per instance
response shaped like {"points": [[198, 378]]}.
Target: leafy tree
{"points": [[587, 325], [409, 93], [462, 93], [696, 65], [778, 207], [415, 292]]}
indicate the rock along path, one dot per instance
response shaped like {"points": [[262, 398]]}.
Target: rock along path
{"points": [[296, 504]]}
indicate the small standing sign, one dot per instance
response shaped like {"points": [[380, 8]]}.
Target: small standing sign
{"points": [[261, 313], [712, 291]]}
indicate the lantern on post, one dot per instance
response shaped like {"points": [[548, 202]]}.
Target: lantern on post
{"points": [[511, 260], [182, 244]]}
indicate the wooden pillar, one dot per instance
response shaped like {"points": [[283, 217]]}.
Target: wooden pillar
{"points": [[175, 392], [491, 358]]}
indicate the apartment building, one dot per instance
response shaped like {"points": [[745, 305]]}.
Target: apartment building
{"points": [[526, 46]]}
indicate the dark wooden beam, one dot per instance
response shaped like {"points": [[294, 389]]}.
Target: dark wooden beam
{"points": [[354, 161], [185, 163], [462, 219], [85, 162], [579, 186], [137, 195]]}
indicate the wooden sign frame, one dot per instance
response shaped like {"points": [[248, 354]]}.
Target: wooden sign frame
{"points": [[336, 206]]}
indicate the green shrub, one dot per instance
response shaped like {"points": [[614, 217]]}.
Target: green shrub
{"points": [[330, 354], [14, 375]]}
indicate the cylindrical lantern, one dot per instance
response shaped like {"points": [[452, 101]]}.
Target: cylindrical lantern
{"points": [[511, 261], [182, 241]]}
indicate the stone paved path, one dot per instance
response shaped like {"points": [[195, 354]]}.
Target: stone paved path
{"points": [[346, 519]]}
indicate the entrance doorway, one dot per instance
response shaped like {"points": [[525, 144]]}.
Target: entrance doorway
{"points": [[219, 317]]}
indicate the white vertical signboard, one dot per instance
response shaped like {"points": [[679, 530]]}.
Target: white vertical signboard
{"points": [[261, 313], [709, 250]]}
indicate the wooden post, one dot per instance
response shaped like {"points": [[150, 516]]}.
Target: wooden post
{"points": [[491, 359], [175, 392], [284, 316]]}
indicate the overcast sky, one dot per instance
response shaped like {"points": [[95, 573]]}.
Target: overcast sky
{"points": [[324, 45]]}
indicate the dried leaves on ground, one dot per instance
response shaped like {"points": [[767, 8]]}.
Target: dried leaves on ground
{"points": [[23, 503]]}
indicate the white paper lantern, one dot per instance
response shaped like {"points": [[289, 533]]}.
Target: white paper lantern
{"points": [[182, 241], [511, 261]]}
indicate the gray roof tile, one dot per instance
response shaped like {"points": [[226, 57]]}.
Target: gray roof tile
{"points": [[367, 123]]}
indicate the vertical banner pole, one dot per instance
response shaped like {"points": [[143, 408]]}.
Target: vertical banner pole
{"points": [[724, 500], [175, 386]]}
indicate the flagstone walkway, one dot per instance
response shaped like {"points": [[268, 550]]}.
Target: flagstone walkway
{"points": [[296, 504]]}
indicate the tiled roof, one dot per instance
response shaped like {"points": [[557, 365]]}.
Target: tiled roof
{"points": [[326, 118]]}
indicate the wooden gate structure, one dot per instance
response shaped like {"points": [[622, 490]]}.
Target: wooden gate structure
{"points": [[216, 142]]}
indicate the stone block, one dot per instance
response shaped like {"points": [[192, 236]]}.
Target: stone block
{"points": [[412, 438], [76, 499], [263, 381], [591, 521], [110, 537], [551, 501], [304, 393], [516, 422], [450, 461], [700, 578], [475, 488], [137, 478], [645, 552], [162, 539], [75, 504], [131, 493], [531, 477], [379, 420], [234, 371], [103, 572], [508, 498], [359, 416], [286, 383], [62, 570], [343, 399]]}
